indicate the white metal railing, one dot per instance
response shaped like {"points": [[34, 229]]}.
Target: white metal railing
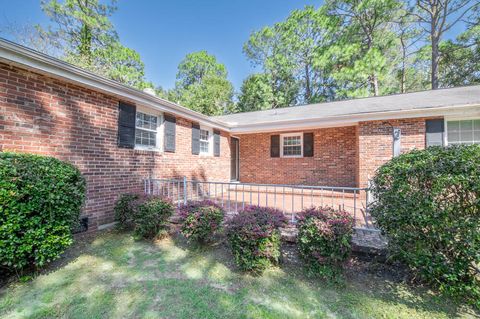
{"points": [[290, 199]]}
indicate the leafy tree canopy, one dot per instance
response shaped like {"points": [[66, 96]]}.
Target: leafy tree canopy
{"points": [[202, 84]]}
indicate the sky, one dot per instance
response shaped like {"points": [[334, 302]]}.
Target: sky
{"points": [[163, 32]]}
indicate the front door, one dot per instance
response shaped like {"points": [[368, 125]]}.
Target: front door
{"points": [[235, 159]]}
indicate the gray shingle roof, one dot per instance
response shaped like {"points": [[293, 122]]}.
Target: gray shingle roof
{"points": [[460, 96]]}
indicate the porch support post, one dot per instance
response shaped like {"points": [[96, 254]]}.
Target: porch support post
{"points": [[185, 190]]}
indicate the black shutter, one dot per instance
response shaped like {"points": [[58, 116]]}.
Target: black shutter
{"points": [[126, 125], [170, 124], [216, 143], [434, 132], [307, 144], [195, 139], [275, 146]]}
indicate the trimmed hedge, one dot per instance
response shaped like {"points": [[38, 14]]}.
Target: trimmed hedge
{"points": [[325, 239], [147, 214], [151, 216], [428, 204], [40, 202], [254, 237], [201, 220]]}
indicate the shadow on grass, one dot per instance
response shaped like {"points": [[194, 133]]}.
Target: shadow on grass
{"points": [[114, 276]]}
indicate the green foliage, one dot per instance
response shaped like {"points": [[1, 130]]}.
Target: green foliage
{"points": [[428, 204], [125, 209], [255, 94], [363, 36], [211, 96], [40, 202], [80, 26], [198, 65], [84, 35], [202, 85], [264, 48], [324, 239], [201, 220], [254, 237], [151, 216], [460, 59]]}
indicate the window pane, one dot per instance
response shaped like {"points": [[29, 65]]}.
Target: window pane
{"points": [[292, 145], [466, 136], [453, 126], [453, 136], [476, 125], [466, 125], [203, 147], [463, 132], [146, 121], [476, 137], [204, 135], [204, 141], [145, 138]]}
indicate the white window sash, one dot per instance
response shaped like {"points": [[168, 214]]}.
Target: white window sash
{"points": [[208, 141], [282, 136], [158, 135], [459, 119]]}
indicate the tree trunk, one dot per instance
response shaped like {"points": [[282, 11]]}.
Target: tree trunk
{"points": [[374, 84], [403, 78], [308, 90], [435, 60], [86, 43]]}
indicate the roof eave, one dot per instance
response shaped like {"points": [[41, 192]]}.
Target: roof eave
{"points": [[350, 120]]}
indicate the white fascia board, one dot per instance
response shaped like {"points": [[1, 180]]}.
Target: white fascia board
{"points": [[42, 63], [468, 111]]}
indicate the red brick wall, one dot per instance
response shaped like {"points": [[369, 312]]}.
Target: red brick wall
{"points": [[375, 143], [333, 163], [46, 116]]}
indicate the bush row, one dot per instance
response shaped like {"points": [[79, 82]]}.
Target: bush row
{"points": [[253, 234]]}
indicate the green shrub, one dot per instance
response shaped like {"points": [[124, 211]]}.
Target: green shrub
{"points": [[151, 216], [428, 205], [325, 239], [201, 220], [254, 237], [40, 202], [125, 209]]}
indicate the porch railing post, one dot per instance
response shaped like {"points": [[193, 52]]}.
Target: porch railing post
{"points": [[185, 190]]}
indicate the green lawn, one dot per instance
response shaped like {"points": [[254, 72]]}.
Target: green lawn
{"points": [[113, 276]]}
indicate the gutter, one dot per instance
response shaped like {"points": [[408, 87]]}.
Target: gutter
{"points": [[354, 119]]}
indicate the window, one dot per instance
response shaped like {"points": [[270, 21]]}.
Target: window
{"points": [[463, 132], [146, 130], [292, 145], [204, 141]]}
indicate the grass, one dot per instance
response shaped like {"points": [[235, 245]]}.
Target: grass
{"points": [[114, 276]]}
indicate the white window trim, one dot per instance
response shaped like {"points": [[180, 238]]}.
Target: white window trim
{"points": [[301, 144], [160, 130], [454, 118], [210, 141]]}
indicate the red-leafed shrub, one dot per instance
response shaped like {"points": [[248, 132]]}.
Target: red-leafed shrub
{"points": [[324, 239], [254, 237], [200, 220], [125, 209]]}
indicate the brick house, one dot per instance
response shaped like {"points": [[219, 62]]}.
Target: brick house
{"points": [[119, 136]]}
